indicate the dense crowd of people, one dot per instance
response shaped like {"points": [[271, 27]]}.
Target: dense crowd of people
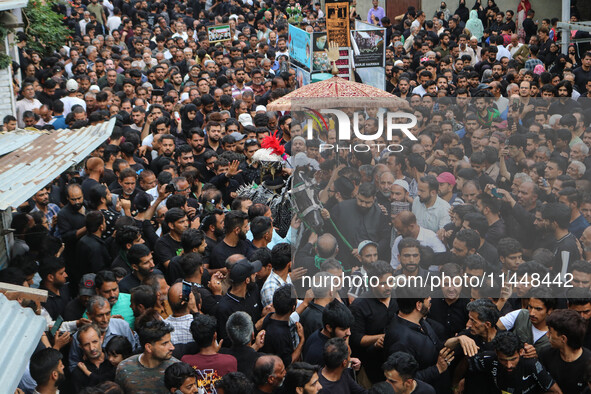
{"points": [[167, 273]]}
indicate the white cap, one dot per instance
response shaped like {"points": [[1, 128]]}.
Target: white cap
{"points": [[94, 88], [184, 96], [72, 85], [245, 120], [398, 63], [402, 183], [260, 108]]}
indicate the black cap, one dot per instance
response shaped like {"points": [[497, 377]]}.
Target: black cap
{"points": [[244, 269], [86, 286]]}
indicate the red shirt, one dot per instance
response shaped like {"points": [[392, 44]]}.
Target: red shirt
{"points": [[210, 368]]}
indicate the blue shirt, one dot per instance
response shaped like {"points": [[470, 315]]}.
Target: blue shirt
{"points": [[577, 226], [59, 122]]}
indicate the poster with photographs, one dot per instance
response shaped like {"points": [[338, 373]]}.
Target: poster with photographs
{"points": [[320, 61], [302, 76], [368, 48], [300, 47], [219, 33], [337, 23]]}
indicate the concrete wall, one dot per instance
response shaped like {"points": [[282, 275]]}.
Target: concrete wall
{"points": [[543, 8]]}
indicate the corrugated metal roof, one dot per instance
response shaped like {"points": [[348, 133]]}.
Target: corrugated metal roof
{"points": [[26, 170], [12, 4], [12, 140], [21, 330]]}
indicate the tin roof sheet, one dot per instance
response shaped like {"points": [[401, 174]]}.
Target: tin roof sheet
{"points": [[21, 330], [24, 171], [12, 140]]}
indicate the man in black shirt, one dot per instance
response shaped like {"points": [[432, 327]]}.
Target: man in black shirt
{"points": [[76, 308], [125, 239], [53, 279], [447, 307], [372, 313], [579, 300], [167, 146], [400, 370], [278, 337], [410, 332], [477, 222], [71, 222], [567, 360], [481, 329], [242, 296], [490, 207], [583, 73], [336, 322], [91, 251], [214, 134], [556, 217], [169, 245], [509, 371], [142, 265], [210, 288], [359, 219], [529, 26], [128, 189], [196, 140], [96, 367], [235, 228], [241, 332], [336, 376]]}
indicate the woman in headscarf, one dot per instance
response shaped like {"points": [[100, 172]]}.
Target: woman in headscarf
{"points": [[490, 14], [188, 119], [560, 63], [462, 11], [573, 57], [443, 8], [522, 9], [474, 24], [551, 56]]}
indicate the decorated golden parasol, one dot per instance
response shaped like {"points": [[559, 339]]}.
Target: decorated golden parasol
{"points": [[334, 93]]}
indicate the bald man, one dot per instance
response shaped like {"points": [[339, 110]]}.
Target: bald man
{"points": [[325, 246], [95, 167], [269, 372], [181, 317]]}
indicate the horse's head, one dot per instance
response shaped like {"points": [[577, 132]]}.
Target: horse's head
{"points": [[305, 201]]}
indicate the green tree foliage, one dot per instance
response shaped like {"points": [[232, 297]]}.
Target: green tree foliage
{"points": [[45, 29]]}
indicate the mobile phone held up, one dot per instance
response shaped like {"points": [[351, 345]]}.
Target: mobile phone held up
{"points": [[186, 291]]}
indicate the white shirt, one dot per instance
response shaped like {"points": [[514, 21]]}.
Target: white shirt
{"points": [[69, 102], [113, 23], [470, 52], [502, 103], [433, 218], [426, 238], [148, 140], [23, 106], [420, 90], [83, 24], [503, 52]]}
